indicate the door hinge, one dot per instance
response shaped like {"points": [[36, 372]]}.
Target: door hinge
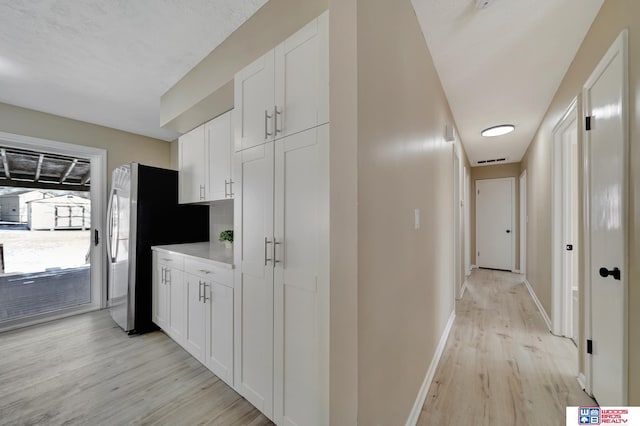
{"points": [[589, 346], [96, 237], [478, 192], [587, 123], [478, 253]]}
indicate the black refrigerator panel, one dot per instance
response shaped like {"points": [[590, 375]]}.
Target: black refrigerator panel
{"points": [[161, 220]]}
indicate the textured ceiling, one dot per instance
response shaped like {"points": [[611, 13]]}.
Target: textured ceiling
{"points": [[502, 64], [108, 61]]}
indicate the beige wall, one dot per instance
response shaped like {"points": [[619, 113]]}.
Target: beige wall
{"points": [[405, 276], [343, 359], [122, 147], [494, 172], [614, 16]]}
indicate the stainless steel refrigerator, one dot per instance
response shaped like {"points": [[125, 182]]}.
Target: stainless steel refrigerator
{"points": [[143, 211]]}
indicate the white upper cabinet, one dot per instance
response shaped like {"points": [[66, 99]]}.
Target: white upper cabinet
{"points": [[254, 102], [302, 79], [219, 134], [205, 157], [191, 174], [285, 91]]}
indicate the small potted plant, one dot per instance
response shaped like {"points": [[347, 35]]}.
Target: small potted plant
{"points": [[226, 237]]}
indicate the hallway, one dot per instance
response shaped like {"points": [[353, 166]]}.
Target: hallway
{"points": [[501, 365]]}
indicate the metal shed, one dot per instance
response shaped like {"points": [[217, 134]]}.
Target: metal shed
{"points": [[64, 212], [14, 205]]}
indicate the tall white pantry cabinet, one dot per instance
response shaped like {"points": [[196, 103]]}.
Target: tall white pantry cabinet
{"points": [[281, 221]]}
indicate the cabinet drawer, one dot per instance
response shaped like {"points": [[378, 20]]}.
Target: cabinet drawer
{"points": [[171, 259], [208, 270]]}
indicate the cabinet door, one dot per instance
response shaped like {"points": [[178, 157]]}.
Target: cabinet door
{"points": [[254, 102], [253, 299], [160, 294], [177, 314], [191, 170], [219, 326], [301, 283], [302, 79], [194, 337], [219, 140]]}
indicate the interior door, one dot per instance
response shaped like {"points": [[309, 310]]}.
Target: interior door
{"points": [[494, 223], [606, 146], [253, 299], [301, 258]]}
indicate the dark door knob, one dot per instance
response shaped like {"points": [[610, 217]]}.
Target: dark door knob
{"points": [[508, 231], [615, 272]]}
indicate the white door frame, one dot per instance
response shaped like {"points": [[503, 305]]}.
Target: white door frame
{"points": [[619, 47], [98, 158], [561, 295], [457, 231], [523, 223], [467, 221], [513, 217]]}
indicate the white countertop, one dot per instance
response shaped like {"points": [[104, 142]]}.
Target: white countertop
{"points": [[214, 252]]}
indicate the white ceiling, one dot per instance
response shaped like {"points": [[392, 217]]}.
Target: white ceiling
{"points": [[502, 64], [108, 61]]}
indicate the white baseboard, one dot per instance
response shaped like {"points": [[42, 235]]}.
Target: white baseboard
{"points": [[424, 389], [582, 381], [543, 313]]}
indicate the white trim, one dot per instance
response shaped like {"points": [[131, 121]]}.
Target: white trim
{"points": [[619, 46], [424, 389], [516, 271], [582, 381], [98, 192], [543, 313], [467, 221], [522, 222], [513, 215], [559, 296], [47, 317]]}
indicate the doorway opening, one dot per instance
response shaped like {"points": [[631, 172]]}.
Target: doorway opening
{"points": [[50, 230], [566, 247]]}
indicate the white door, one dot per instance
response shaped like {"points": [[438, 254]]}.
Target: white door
{"points": [[194, 335], [219, 325], [606, 150], [302, 78], [177, 304], [570, 244], [254, 103], [494, 223], [219, 140], [191, 173], [301, 282], [253, 299]]}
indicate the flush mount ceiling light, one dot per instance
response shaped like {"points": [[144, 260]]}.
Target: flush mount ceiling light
{"points": [[500, 130]]}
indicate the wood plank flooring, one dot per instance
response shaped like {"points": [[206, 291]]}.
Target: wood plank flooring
{"points": [[85, 370], [501, 366]]}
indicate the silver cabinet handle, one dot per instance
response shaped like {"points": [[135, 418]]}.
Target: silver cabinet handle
{"points": [[266, 242], [162, 279], [199, 291], [204, 293], [202, 192], [266, 120], [204, 271], [231, 182], [275, 244], [276, 113], [226, 194]]}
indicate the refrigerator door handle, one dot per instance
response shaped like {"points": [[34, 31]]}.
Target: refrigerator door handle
{"points": [[110, 222]]}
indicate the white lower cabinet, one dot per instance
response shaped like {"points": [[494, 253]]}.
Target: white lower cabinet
{"points": [[193, 304]]}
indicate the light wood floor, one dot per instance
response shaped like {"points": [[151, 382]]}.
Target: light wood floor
{"points": [[501, 366], [85, 370]]}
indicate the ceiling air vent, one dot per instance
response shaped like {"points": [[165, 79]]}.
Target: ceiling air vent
{"points": [[491, 161]]}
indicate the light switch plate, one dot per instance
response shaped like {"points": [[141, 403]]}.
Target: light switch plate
{"points": [[416, 219]]}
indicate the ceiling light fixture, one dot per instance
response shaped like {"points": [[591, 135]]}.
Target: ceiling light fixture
{"points": [[500, 130]]}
